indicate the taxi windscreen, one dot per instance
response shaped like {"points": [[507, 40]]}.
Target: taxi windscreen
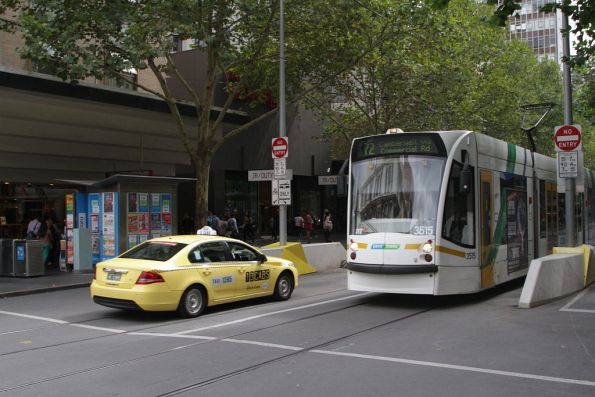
{"points": [[154, 251]]}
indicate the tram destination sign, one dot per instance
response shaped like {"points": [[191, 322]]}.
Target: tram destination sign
{"points": [[395, 144]]}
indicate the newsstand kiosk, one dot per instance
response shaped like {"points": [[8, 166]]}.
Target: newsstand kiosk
{"points": [[118, 213]]}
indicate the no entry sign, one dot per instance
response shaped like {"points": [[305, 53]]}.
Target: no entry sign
{"points": [[567, 138], [279, 147]]}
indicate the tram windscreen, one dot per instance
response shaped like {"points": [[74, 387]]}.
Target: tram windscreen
{"points": [[395, 194]]}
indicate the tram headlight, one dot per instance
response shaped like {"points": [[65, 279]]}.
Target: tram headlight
{"points": [[353, 246], [427, 247]]}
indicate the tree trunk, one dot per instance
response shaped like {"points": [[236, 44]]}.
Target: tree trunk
{"points": [[201, 171]]}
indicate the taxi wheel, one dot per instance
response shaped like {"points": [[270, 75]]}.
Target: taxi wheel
{"points": [[193, 302], [283, 287]]}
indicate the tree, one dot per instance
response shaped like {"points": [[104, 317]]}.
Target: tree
{"points": [[447, 69], [84, 38]]}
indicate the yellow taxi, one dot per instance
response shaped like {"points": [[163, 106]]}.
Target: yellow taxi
{"points": [[188, 273]]}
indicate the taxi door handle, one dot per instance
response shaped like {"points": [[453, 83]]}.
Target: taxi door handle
{"points": [[206, 272], [241, 270]]}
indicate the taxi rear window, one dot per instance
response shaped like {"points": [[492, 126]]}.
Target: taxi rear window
{"points": [[154, 251]]}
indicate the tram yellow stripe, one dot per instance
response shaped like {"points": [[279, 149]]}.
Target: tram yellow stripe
{"points": [[412, 246], [450, 251]]}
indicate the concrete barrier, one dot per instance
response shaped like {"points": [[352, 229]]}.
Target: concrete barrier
{"points": [[309, 258], [552, 277], [588, 260]]}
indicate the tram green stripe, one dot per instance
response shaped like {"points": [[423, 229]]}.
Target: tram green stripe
{"points": [[511, 159], [502, 213]]}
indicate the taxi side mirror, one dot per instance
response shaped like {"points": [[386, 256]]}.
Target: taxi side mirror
{"points": [[261, 258]]}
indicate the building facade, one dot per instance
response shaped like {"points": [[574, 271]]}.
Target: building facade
{"points": [[540, 30]]}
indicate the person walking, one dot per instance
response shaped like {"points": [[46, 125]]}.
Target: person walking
{"points": [[232, 226], [248, 228], [308, 226], [298, 222], [327, 225]]}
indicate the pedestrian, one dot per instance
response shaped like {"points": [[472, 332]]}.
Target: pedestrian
{"points": [[46, 237], [232, 226], [298, 222], [213, 221], [308, 226], [327, 225], [33, 228], [248, 228]]}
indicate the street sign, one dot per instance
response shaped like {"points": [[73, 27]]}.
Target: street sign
{"points": [[327, 179], [567, 138], [279, 147], [568, 164], [281, 192], [280, 168], [267, 175]]}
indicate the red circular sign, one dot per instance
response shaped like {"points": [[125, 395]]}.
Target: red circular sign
{"points": [[279, 147], [567, 138]]}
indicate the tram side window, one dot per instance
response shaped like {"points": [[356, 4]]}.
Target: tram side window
{"points": [[459, 211]]}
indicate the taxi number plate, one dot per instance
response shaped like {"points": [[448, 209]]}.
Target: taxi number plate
{"points": [[114, 276]]}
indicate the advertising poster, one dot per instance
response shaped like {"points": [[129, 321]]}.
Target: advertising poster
{"points": [[69, 246], [95, 206], [166, 203], [143, 202], [70, 202], [132, 202], [156, 222], [82, 220], [95, 244], [166, 223], [108, 224], [516, 230], [69, 221], [132, 223], [143, 223], [132, 240], [109, 246], [94, 223], [143, 238], [155, 202], [108, 202]]}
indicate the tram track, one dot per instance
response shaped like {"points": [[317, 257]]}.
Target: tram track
{"points": [[319, 346], [82, 371]]}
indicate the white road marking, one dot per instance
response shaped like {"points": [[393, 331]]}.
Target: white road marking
{"points": [[567, 308], [51, 320], [264, 344], [173, 335], [459, 367], [245, 319], [117, 331]]}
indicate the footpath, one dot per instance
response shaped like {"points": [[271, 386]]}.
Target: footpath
{"points": [[57, 280]]}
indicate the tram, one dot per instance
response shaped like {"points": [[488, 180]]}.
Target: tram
{"points": [[453, 212]]}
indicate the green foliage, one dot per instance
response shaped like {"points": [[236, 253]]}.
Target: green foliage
{"points": [[442, 69]]}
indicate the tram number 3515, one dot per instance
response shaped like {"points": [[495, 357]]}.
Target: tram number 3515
{"points": [[423, 230]]}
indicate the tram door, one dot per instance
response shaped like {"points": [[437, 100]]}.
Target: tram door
{"points": [[485, 225]]}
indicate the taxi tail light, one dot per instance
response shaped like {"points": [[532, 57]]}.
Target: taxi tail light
{"points": [[149, 278]]}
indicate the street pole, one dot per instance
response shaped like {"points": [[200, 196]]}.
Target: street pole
{"points": [[282, 208], [569, 199]]}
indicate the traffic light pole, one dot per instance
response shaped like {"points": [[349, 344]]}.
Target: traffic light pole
{"points": [[282, 208], [569, 193]]}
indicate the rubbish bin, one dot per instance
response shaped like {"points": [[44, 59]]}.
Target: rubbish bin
{"points": [[6, 257], [27, 258]]}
